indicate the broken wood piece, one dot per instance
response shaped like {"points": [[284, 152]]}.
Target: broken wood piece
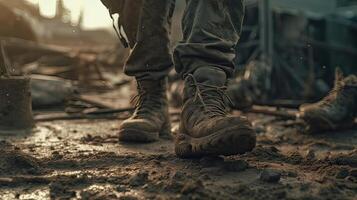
{"points": [[65, 116], [92, 101], [276, 113], [109, 111], [96, 114]]}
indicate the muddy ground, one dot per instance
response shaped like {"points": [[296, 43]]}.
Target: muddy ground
{"points": [[82, 159]]}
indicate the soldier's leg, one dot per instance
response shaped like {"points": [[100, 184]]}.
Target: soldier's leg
{"points": [[205, 59], [150, 58], [211, 31], [150, 62]]}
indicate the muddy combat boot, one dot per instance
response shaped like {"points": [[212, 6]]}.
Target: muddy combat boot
{"points": [[335, 111], [206, 127], [151, 118]]}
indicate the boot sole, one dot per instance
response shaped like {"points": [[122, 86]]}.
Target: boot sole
{"points": [[137, 136], [317, 124], [132, 135], [226, 142]]}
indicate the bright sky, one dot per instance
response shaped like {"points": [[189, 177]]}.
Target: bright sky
{"points": [[95, 14]]}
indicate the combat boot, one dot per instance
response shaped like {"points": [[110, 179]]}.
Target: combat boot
{"points": [[151, 118], [337, 110], [206, 128]]}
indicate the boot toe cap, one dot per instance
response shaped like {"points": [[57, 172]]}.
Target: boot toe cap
{"points": [[141, 131], [140, 124]]}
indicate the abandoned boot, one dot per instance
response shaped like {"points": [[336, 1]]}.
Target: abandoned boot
{"points": [[335, 111], [150, 119], [206, 127]]}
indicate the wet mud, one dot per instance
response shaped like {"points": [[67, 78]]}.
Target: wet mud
{"points": [[83, 160]]}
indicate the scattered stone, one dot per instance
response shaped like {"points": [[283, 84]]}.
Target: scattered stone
{"points": [[235, 166], [342, 173], [270, 176], [139, 179]]}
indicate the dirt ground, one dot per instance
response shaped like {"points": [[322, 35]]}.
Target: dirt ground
{"points": [[82, 159]]}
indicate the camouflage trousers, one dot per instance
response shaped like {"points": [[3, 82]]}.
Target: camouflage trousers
{"points": [[211, 30]]}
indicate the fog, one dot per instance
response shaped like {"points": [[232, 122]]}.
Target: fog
{"points": [[94, 13]]}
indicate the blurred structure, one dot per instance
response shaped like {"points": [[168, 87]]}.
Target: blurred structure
{"points": [[21, 19], [302, 41]]}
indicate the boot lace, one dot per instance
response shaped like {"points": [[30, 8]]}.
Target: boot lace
{"points": [[212, 98], [146, 102]]}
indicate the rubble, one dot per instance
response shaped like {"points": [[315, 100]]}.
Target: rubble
{"points": [[50, 91]]}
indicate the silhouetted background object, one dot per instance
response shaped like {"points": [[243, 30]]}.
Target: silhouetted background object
{"points": [[15, 99]]}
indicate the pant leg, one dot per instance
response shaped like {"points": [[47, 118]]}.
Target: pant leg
{"points": [[211, 31], [150, 58]]}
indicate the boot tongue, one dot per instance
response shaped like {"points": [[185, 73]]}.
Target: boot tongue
{"points": [[210, 76], [152, 84]]}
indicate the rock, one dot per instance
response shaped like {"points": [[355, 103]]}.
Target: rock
{"points": [[270, 176], [139, 179], [235, 166]]}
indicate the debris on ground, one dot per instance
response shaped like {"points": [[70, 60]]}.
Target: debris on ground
{"points": [[270, 176], [50, 91]]}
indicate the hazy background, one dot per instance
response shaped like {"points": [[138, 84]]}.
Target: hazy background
{"points": [[95, 14]]}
